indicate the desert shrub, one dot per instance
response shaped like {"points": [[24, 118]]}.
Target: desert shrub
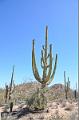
{"points": [[37, 101]]}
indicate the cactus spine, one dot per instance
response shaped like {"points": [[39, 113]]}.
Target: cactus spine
{"points": [[67, 85], [9, 90], [48, 75]]}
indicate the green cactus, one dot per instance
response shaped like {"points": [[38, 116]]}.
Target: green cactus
{"points": [[9, 90], [12, 86], [48, 75], [67, 85], [75, 92], [46, 64], [6, 93]]}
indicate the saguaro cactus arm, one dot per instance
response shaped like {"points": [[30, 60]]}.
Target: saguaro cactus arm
{"points": [[50, 66], [54, 70], [42, 60], [34, 68]]}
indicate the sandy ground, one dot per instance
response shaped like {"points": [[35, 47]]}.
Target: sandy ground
{"points": [[65, 110]]}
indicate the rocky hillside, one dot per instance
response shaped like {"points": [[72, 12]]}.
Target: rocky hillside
{"points": [[25, 90]]}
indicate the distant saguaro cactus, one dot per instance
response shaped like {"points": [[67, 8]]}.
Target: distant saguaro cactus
{"points": [[48, 75], [12, 86], [75, 91], [9, 90], [67, 85], [6, 93]]}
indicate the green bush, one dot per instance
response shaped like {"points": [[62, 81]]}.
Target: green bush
{"points": [[37, 101]]}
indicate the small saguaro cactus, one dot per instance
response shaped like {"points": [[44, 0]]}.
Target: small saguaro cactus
{"points": [[75, 91], [6, 93], [48, 75], [67, 85], [9, 90], [46, 63], [11, 86]]}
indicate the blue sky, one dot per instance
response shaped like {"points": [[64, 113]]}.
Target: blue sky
{"points": [[23, 20]]}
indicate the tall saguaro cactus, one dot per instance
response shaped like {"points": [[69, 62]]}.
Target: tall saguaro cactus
{"points": [[46, 63], [67, 85]]}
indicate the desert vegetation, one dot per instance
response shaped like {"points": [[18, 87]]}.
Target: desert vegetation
{"points": [[36, 100], [46, 65]]}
